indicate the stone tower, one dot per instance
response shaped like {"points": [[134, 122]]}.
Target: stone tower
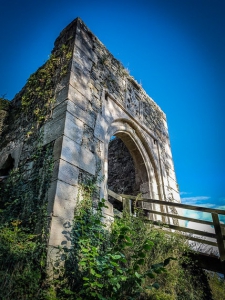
{"points": [[74, 104]]}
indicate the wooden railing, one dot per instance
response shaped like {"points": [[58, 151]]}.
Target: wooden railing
{"points": [[219, 228]]}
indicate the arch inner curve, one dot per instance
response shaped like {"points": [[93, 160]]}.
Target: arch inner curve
{"points": [[142, 173]]}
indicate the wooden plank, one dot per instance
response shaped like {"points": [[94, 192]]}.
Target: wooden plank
{"points": [[178, 217], [185, 229], [127, 206], [219, 236], [191, 238], [114, 195], [214, 212], [201, 241], [169, 203]]}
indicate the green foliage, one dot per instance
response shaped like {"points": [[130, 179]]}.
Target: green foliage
{"points": [[125, 259], [108, 261], [38, 94], [20, 260], [24, 194], [4, 104], [217, 286], [23, 229]]}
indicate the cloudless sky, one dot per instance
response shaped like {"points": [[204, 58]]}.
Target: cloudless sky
{"points": [[174, 48]]}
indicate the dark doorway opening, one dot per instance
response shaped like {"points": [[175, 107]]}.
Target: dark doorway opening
{"points": [[7, 166], [121, 170]]}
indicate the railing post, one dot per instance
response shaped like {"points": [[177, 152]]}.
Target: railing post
{"points": [[219, 238], [127, 206]]}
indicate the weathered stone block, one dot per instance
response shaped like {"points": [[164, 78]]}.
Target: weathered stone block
{"points": [[57, 148], [78, 98], [108, 211], [55, 171], [70, 151], [79, 80], [85, 116], [168, 150], [68, 173], [59, 111], [172, 183], [65, 199], [63, 83], [60, 231], [100, 128], [61, 95], [87, 161], [82, 59], [73, 128], [52, 130], [78, 156], [171, 173], [51, 195], [85, 44]]}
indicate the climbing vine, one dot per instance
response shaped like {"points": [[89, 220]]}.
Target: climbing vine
{"points": [[23, 195], [106, 261], [4, 104], [39, 91], [24, 228]]}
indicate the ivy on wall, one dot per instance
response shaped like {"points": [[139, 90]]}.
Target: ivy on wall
{"points": [[39, 94], [24, 228], [4, 104], [23, 195]]}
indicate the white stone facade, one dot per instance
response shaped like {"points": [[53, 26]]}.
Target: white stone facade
{"points": [[101, 100], [96, 99]]}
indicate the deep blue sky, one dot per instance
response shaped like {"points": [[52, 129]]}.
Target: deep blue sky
{"points": [[174, 48]]}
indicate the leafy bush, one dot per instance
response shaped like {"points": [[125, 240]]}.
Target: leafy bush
{"points": [[125, 259], [4, 103], [22, 260], [107, 264], [217, 286], [23, 234]]}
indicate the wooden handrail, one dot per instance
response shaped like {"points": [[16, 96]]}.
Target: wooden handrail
{"points": [[180, 205], [218, 235], [168, 203], [178, 217]]}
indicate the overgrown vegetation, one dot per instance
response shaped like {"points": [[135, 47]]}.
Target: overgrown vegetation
{"points": [[39, 92], [23, 195], [23, 229], [4, 103], [107, 263], [127, 259]]}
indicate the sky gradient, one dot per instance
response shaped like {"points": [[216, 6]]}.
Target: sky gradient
{"points": [[174, 48]]}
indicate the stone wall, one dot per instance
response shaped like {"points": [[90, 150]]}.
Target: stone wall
{"points": [[33, 106], [73, 105], [121, 171], [4, 113]]}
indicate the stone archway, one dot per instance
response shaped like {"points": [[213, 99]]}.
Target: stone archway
{"points": [[146, 172], [95, 99]]}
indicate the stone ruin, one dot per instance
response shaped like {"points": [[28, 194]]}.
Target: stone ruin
{"points": [[79, 102]]}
